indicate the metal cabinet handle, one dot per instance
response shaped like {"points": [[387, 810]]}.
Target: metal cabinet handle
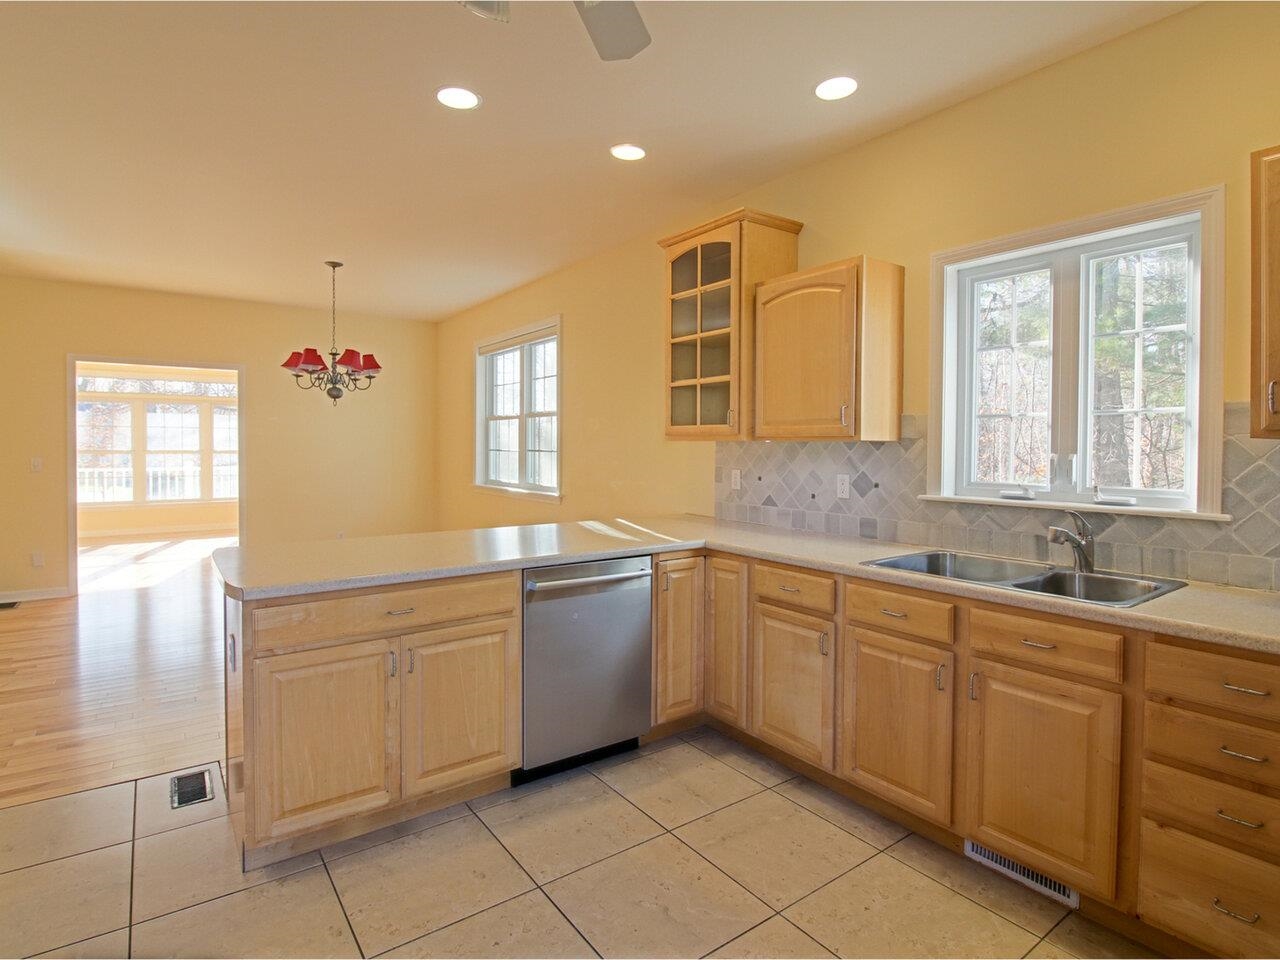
{"points": [[1271, 397], [1217, 905], [231, 651], [785, 589], [666, 582], [1243, 756], [844, 414], [896, 614], [393, 662], [1228, 685], [731, 416], [1244, 823], [401, 612], [412, 651], [937, 677], [1039, 646], [973, 693], [822, 644]]}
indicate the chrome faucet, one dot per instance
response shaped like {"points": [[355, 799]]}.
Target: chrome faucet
{"points": [[1081, 541]]}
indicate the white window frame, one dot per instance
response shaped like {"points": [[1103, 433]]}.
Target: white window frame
{"points": [[548, 329], [1068, 249]]}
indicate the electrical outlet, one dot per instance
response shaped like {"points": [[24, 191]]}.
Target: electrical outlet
{"points": [[842, 486], [37, 464], [735, 479], [37, 558]]}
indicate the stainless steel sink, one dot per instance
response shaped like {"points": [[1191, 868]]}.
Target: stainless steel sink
{"points": [[1111, 589], [1107, 589], [964, 566]]}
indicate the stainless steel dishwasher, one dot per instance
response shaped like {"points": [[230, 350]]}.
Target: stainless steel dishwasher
{"points": [[587, 661]]}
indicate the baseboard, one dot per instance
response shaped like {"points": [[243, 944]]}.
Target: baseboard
{"points": [[48, 593]]}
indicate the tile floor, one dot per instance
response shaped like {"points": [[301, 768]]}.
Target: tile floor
{"points": [[695, 846]]}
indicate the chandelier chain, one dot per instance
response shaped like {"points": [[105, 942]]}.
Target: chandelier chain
{"points": [[333, 308]]}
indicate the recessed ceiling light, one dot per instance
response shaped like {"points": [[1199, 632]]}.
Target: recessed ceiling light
{"points": [[459, 98], [837, 88], [627, 151]]}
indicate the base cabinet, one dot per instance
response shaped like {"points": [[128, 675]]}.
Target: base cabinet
{"points": [[726, 636], [460, 704], [897, 721], [327, 735], [793, 690], [677, 650], [1044, 773]]}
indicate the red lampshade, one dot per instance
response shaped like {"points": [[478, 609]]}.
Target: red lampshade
{"points": [[312, 362], [370, 365], [294, 361], [351, 360]]}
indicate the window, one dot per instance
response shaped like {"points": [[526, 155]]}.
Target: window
{"points": [[173, 451], [104, 458], [226, 452], [517, 412], [1072, 370]]}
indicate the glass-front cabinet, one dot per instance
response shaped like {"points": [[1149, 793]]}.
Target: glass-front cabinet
{"points": [[712, 272]]}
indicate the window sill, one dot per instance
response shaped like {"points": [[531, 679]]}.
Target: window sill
{"points": [[1081, 507], [520, 493]]}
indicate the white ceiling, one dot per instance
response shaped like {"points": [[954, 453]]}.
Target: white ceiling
{"points": [[228, 149]]}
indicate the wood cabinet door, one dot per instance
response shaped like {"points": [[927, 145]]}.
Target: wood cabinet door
{"points": [[326, 736], [793, 686], [896, 732], [460, 704], [726, 640], [1266, 293], [1044, 773], [806, 355], [677, 653]]}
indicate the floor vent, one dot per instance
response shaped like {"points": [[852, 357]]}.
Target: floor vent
{"points": [[9, 604], [188, 788], [1024, 875]]}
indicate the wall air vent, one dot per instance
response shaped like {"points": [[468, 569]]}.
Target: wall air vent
{"points": [[1023, 874]]}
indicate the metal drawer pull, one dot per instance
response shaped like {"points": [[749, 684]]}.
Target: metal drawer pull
{"points": [[786, 589], [844, 414], [896, 614], [1217, 905], [393, 663], [1243, 756], [1244, 823], [1227, 684], [401, 612], [822, 644], [1039, 646], [1271, 397], [973, 694], [937, 677], [411, 659]]}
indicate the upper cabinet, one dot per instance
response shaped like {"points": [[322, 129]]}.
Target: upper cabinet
{"points": [[711, 278], [829, 353], [1265, 400]]}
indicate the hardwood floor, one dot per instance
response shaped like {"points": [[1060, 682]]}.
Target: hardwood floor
{"points": [[121, 682]]}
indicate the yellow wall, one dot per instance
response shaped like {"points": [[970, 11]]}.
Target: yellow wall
{"points": [[1165, 110], [310, 469], [201, 517]]}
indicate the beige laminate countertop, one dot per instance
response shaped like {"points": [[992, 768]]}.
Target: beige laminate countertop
{"points": [[1249, 619]]}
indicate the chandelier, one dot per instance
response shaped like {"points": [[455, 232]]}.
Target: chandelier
{"points": [[348, 372]]}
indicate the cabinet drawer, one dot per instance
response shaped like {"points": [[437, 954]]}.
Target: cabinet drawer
{"points": [[1208, 894], [798, 589], [930, 619], [1242, 686], [316, 621], [1236, 749], [1211, 806], [1079, 650]]}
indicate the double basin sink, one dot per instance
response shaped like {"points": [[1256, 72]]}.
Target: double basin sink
{"points": [[1107, 589]]}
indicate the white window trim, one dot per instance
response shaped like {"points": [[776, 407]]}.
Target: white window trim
{"points": [[1209, 205], [544, 329]]}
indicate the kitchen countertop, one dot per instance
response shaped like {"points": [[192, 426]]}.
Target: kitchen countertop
{"points": [[1248, 619]]}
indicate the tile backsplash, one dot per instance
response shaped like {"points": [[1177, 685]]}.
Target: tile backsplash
{"points": [[793, 485]]}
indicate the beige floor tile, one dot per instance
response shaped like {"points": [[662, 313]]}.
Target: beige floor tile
{"points": [[678, 785], [1084, 938], [666, 743], [844, 813], [1011, 900], [569, 826], [48, 829], [1044, 950], [885, 909], [776, 937], [775, 848], [395, 831], [183, 867], [63, 901], [108, 946], [399, 891], [743, 759], [659, 899], [297, 916], [511, 793], [528, 926], [155, 815]]}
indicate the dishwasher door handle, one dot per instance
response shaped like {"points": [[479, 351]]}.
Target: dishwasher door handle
{"points": [[538, 586]]}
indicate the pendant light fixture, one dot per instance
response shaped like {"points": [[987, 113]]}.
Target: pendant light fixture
{"points": [[349, 372]]}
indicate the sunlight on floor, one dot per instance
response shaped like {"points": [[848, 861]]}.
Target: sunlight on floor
{"points": [[144, 563]]}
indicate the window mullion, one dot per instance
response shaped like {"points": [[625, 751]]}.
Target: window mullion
{"points": [[1067, 377], [522, 441]]}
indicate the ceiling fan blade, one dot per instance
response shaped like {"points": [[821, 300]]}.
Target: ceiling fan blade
{"points": [[615, 27], [499, 10]]}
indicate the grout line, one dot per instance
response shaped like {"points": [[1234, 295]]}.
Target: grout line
{"points": [[103, 786], [133, 859], [454, 923], [63, 946], [742, 934], [466, 812], [841, 826], [342, 906], [232, 893], [69, 856]]}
